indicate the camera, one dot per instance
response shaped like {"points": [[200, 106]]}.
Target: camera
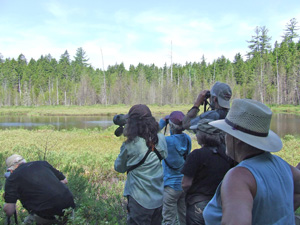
{"points": [[207, 95], [119, 120]]}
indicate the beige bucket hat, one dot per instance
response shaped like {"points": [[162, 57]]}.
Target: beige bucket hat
{"points": [[249, 121], [13, 160]]}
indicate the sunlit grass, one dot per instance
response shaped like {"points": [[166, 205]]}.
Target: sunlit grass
{"points": [[87, 158], [114, 109], [293, 109], [85, 110]]}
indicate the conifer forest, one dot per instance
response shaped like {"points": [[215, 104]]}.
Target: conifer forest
{"points": [[270, 73]]}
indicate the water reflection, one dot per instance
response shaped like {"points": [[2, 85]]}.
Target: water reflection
{"points": [[284, 124], [281, 124], [58, 122]]}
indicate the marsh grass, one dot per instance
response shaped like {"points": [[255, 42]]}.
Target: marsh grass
{"points": [[294, 109], [114, 109], [87, 157], [85, 110]]}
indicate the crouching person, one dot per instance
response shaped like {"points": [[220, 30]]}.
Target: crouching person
{"points": [[41, 189]]}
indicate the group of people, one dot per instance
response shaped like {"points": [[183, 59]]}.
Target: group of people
{"points": [[231, 179]]}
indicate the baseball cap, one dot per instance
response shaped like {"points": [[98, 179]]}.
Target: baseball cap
{"points": [[223, 92], [204, 126], [176, 117]]}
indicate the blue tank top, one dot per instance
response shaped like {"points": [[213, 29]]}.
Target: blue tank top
{"points": [[274, 200]]}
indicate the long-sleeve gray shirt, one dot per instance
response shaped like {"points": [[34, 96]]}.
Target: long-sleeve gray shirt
{"points": [[144, 183]]}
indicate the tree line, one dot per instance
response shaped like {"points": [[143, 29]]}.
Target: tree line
{"points": [[268, 74]]}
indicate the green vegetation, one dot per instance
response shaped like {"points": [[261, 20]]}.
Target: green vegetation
{"points": [[85, 110], [293, 109], [87, 158], [114, 109], [270, 75]]}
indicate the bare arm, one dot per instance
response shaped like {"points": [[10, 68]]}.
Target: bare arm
{"points": [[9, 208], [237, 193], [296, 178], [186, 183], [192, 113]]}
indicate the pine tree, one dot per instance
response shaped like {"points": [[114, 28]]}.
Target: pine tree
{"points": [[264, 41], [254, 43], [290, 31]]}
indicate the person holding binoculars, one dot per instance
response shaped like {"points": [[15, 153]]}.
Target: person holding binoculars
{"points": [[140, 157], [219, 101], [179, 146]]}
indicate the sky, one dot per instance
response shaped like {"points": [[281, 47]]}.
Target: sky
{"points": [[131, 32]]}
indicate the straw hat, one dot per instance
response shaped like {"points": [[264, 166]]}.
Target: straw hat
{"points": [[249, 121], [13, 161]]}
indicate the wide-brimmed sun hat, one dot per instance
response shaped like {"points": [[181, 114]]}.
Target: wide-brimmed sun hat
{"points": [[13, 160], [249, 121]]}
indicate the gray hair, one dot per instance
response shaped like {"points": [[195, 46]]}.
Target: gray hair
{"points": [[174, 127], [210, 139]]}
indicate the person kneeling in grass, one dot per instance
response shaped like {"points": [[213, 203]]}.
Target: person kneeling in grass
{"points": [[41, 189]]}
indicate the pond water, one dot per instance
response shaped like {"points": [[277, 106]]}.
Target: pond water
{"points": [[281, 124]]}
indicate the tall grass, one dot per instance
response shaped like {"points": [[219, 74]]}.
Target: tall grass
{"points": [[87, 157], [114, 109], [84, 110]]}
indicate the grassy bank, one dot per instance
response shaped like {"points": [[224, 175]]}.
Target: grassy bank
{"points": [[114, 109], [85, 110], [87, 158]]}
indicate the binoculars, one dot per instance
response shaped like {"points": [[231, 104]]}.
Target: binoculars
{"points": [[207, 95], [119, 120]]}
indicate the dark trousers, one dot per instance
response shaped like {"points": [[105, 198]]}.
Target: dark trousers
{"points": [[138, 215], [194, 213]]}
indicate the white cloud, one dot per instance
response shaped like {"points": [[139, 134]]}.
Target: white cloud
{"points": [[131, 36]]}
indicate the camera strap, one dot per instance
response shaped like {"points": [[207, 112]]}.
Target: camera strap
{"points": [[171, 167], [205, 104], [144, 159]]}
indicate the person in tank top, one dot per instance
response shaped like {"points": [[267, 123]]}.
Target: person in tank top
{"points": [[262, 188]]}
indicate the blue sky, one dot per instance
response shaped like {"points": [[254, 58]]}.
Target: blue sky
{"points": [[139, 31]]}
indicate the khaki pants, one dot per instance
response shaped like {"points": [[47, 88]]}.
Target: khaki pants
{"points": [[174, 209]]}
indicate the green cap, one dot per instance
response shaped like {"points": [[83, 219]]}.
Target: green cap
{"points": [[203, 126]]}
